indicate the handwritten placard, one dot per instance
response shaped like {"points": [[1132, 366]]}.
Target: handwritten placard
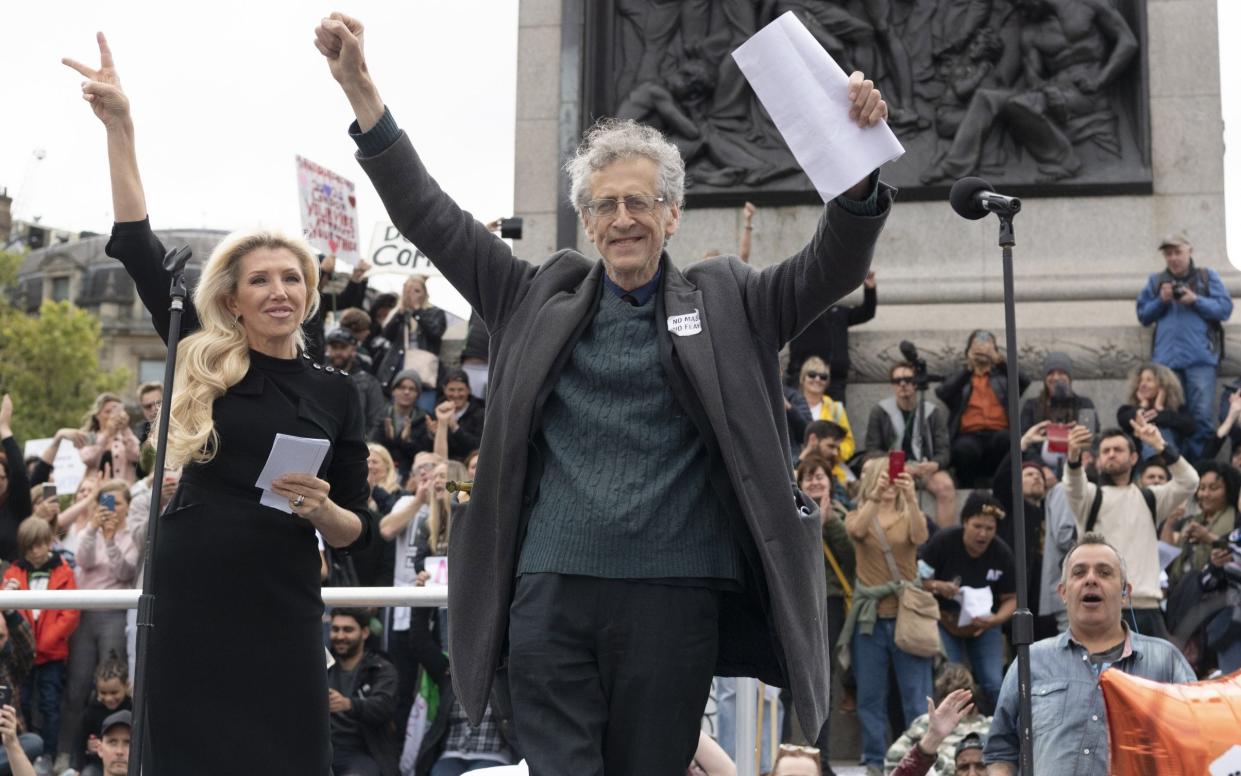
{"points": [[329, 210]]}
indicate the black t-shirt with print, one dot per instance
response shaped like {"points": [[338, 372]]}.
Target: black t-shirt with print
{"points": [[945, 552]]}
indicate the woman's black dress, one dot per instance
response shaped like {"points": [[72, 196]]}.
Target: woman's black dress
{"points": [[236, 672]]}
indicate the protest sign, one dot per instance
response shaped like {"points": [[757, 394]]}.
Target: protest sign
{"points": [[391, 255], [329, 210], [68, 469]]}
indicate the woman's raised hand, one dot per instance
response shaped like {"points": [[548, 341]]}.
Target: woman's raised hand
{"points": [[102, 89]]}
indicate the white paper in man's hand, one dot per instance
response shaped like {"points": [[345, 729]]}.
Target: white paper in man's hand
{"points": [[975, 602], [807, 95], [289, 455]]}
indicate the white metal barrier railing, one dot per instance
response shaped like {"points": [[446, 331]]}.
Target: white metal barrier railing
{"points": [[128, 599], [747, 689]]}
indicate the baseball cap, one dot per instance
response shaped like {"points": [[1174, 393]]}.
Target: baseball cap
{"points": [[1174, 240], [342, 336], [123, 717], [970, 741]]}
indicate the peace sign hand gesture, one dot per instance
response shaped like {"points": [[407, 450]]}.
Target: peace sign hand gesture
{"points": [[102, 89]]}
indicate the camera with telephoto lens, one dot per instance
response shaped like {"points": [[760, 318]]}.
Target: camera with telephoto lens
{"points": [[1178, 289]]}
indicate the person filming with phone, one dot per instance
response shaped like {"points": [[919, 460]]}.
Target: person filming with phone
{"points": [[886, 529], [1127, 514], [977, 400], [107, 560]]}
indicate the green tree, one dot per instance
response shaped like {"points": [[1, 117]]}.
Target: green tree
{"points": [[49, 362]]}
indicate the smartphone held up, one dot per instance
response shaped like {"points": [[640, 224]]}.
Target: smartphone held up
{"points": [[896, 465]]}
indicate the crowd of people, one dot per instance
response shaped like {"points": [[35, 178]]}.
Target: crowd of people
{"points": [[919, 592], [882, 526]]}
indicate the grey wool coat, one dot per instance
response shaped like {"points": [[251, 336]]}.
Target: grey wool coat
{"points": [[726, 377]]}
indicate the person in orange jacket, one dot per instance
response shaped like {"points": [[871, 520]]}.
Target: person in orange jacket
{"points": [[39, 568]]}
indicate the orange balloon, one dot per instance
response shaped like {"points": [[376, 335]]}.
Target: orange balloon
{"points": [[1170, 729]]}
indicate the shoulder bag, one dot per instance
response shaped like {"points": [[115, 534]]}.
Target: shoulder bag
{"points": [[917, 614]]}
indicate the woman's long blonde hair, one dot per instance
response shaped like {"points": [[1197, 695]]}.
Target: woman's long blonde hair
{"points": [[217, 356], [439, 527], [1173, 394], [90, 421], [388, 482]]}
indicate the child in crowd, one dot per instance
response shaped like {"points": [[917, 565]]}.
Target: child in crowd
{"points": [[111, 695], [40, 568]]}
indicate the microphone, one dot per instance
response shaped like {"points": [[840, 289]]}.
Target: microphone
{"points": [[909, 351], [973, 198], [176, 258]]}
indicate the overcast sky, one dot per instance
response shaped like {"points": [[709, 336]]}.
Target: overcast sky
{"points": [[226, 93]]}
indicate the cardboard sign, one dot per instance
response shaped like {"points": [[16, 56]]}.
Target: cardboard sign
{"points": [[67, 469], [329, 210], [391, 255], [390, 252]]}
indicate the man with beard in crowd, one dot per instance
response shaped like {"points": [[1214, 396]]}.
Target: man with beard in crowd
{"points": [[362, 699], [1121, 510]]}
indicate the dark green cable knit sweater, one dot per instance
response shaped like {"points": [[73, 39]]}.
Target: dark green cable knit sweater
{"points": [[625, 491]]}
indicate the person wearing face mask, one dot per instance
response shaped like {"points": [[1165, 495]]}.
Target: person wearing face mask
{"points": [[1057, 401], [977, 401], [1068, 716], [242, 377]]}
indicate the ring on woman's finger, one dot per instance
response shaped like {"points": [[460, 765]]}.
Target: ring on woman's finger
{"points": [[297, 502]]}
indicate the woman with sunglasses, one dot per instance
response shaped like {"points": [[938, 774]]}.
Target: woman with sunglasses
{"points": [[813, 382]]}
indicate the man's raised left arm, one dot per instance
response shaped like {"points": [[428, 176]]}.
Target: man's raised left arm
{"points": [[785, 298]]}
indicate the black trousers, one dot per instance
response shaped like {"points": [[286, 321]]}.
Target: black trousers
{"points": [[975, 456], [1149, 622], [609, 677]]}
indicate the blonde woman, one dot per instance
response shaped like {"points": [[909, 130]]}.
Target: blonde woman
{"points": [[1155, 394], [415, 329], [869, 632], [813, 382], [109, 440], [238, 605]]}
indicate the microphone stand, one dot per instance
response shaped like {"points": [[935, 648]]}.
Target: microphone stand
{"points": [[174, 263], [1023, 619]]}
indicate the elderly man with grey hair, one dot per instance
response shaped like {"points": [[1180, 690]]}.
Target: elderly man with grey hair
{"points": [[634, 528]]}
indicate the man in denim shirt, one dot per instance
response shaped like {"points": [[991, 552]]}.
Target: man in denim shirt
{"points": [[1069, 724]]}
